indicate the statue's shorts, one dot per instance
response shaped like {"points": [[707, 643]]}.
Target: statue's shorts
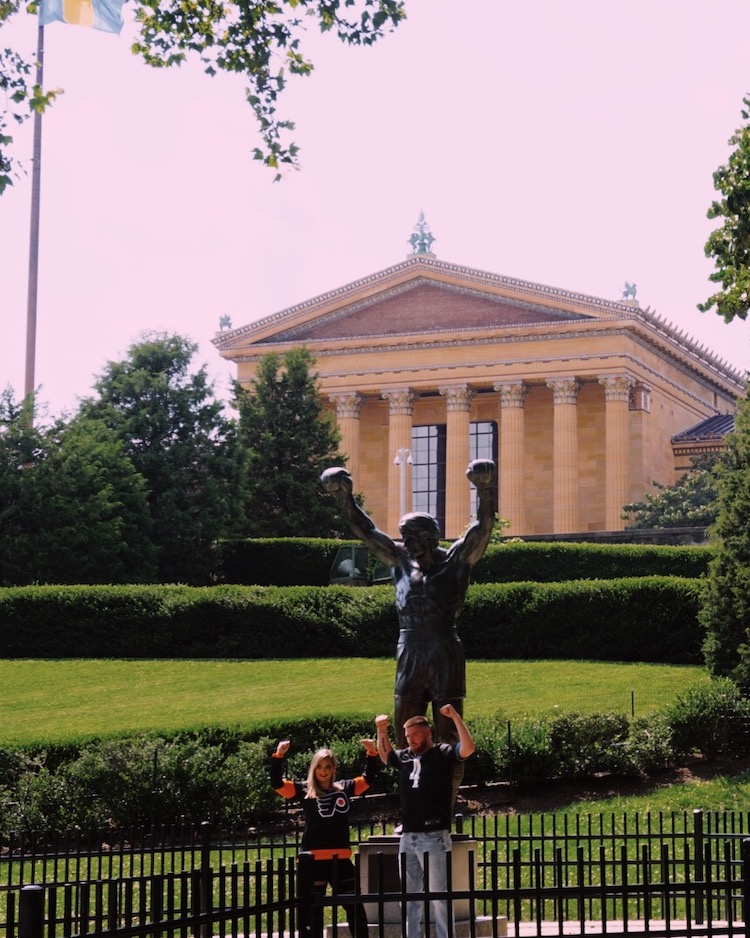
{"points": [[430, 666]]}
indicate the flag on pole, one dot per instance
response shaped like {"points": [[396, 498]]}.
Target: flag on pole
{"points": [[99, 14]]}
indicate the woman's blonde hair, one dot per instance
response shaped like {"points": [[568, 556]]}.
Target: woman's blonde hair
{"points": [[313, 788]]}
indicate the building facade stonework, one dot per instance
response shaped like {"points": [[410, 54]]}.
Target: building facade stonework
{"points": [[577, 398]]}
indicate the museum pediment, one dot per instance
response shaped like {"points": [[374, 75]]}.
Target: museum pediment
{"points": [[420, 307], [421, 295]]}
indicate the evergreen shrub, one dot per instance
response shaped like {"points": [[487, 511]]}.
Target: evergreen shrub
{"points": [[299, 561], [543, 562], [221, 774], [196, 622], [650, 619], [266, 561], [641, 619], [711, 720]]}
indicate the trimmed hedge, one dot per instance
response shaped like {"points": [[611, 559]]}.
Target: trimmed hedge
{"points": [[542, 562], [651, 619], [196, 622], [640, 619], [265, 561], [308, 561], [221, 774]]}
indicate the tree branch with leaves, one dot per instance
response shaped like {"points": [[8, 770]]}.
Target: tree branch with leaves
{"points": [[729, 245], [259, 39]]}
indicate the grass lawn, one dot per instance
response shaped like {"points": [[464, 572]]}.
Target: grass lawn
{"points": [[55, 701]]}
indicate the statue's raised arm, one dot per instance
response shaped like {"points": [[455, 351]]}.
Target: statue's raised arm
{"points": [[481, 474], [338, 482]]}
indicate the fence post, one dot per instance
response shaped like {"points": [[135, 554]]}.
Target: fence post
{"points": [[31, 912], [509, 737], [745, 854], [698, 847], [206, 882], [306, 895]]}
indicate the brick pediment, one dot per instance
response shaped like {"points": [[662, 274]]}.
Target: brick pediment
{"points": [[423, 307]]}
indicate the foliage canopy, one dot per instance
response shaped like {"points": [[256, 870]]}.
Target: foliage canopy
{"points": [[729, 245], [725, 609], [690, 502], [262, 40], [174, 432], [289, 439], [72, 506]]}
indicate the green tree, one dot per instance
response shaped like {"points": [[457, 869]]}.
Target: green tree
{"points": [[94, 509], [725, 608], [175, 433], [258, 39], [729, 245], [690, 502], [289, 438], [73, 509]]}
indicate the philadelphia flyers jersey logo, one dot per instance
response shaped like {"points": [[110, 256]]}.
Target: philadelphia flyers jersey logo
{"points": [[336, 802]]}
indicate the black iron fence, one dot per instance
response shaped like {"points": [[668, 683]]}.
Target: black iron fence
{"points": [[676, 874]]}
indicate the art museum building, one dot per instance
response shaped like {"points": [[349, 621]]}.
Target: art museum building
{"points": [[581, 401]]}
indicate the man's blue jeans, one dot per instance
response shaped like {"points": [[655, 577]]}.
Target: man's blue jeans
{"points": [[436, 844]]}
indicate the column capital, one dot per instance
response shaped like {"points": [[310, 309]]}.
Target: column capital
{"points": [[348, 403], [401, 401], [512, 393], [617, 387], [457, 396], [564, 390]]}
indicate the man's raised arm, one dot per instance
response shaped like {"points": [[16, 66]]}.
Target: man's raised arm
{"points": [[338, 482]]}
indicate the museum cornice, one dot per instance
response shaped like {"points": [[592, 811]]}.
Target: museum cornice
{"points": [[721, 377], [615, 363]]}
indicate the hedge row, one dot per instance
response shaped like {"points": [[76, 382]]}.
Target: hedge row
{"points": [[553, 562], [222, 774], [289, 561], [308, 561], [639, 619]]}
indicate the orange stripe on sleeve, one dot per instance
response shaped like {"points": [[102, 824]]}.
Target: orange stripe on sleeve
{"points": [[287, 790], [360, 785]]}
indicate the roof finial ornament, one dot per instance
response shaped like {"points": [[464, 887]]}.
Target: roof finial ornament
{"points": [[629, 294], [422, 238]]}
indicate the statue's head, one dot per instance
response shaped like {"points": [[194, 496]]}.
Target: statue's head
{"points": [[418, 522], [421, 535]]}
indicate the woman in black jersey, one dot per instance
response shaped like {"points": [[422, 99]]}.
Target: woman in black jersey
{"points": [[325, 803]]}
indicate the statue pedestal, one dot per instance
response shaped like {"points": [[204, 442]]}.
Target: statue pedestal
{"points": [[379, 872]]}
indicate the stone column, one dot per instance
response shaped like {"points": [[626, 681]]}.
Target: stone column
{"points": [[401, 404], [511, 456], [348, 408], [616, 447], [565, 454], [457, 450]]}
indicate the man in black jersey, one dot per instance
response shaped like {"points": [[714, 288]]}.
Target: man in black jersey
{"points": [[425, 777]]}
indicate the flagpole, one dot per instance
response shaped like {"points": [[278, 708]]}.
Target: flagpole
{"points": [[36, 174]]}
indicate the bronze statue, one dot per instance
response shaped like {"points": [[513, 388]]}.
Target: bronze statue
{"points": [[431, 585]]}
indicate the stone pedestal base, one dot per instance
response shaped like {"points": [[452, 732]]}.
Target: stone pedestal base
{"points": [[379, 872], [482, 929]]}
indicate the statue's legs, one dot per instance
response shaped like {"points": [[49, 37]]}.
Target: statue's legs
{"points": [[406, 707], [445, 732]]}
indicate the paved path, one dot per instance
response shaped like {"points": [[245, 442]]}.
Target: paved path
{"points": [[529, 929]]}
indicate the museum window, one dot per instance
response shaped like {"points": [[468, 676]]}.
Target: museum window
{"points": [[482, 445], [428, 471], [428, 465]]}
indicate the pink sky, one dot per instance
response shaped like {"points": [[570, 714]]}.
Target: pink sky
{"points": [[570, 144]]}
